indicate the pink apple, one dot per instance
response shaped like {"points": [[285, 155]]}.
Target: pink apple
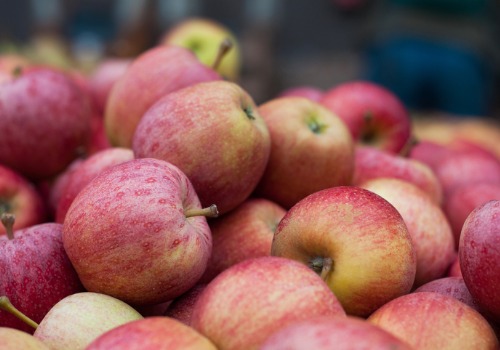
{"points": [[304, 136], [251, 300], [355, 240], [54, 188], [214, 133], [375, 116], [430, 320], [311, 92], [137, 232], [479, 256], [182, 307], [14, 339], [155, 73]]}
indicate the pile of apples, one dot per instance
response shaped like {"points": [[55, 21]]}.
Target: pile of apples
{"points": [[154, 205]]}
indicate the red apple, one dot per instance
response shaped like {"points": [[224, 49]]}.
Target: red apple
{"points": [[137, 232], [55, 187], [182, 307], [214, 133], [251, 300], [311, 92], [304, 136], [355, 240]]}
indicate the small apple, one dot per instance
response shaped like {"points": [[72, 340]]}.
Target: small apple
{"points": [[11, 338]]}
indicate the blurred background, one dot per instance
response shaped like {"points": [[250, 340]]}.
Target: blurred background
{"points": [[436, 55]]}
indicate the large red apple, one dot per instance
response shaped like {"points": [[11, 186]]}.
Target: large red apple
{"points": [[355, 240], [214, 133]]}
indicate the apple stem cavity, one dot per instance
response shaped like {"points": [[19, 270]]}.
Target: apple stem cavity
{"points": [[7, 306], [224, 48], [322, 266], [211, 212], [8, 220]]}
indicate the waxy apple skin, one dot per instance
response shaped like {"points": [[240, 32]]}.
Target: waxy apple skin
{"points": [[128, 236], [356, 240]]}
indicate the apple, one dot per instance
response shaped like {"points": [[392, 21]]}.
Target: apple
{"points": [[137, 232], [454, 270], [251, 300], [181, 307], [153, 74], [429, 320], [85, 172], [372, 163], [11, 338], [355, 240], [52, 189], [11, 62], [203, 37], [479, 257], [36, 272], [427, 224], [304, 136], [311, 92], [20, 197], [246, 232], [374, 115], [325, 333], [44, 123], [214, 133]]}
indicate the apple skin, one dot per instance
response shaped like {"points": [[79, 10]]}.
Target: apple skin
{"points": [[86, 171], [203, 37], [182, 307], [152, 333], [311, 92], [75, 321], [426, 222], [479, 256], [55, 119], [20, 197], [374, 115], [355, 240], [246, 232], [371, 163], [36, 273], [454, 270], [251, 300], [214, 133], [153, 74], [429, 320], [304, 136], [11, 338], [128, 236], [325, 333]]}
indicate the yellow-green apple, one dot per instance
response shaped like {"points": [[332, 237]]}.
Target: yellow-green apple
{"points": [[137, 232], [44, 122], [464, 199], [85, 172], [11, 339], [374, 115], [479, 256], [429, 320], [19, 196], [429, 229], [307, 91], [355, 240], [203, 36], [153, 74], [75, 321], [304, 136], [35, 272], [325, 333], [246, 232], [181, 307], [371, 163], [251, 300], [214, 133], [152, 333]]}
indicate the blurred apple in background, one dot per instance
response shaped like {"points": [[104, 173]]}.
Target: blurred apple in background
{"points": [[311, 149], [14, 339], [214, 133], [311, 92], [355, 240], [182, 307]]}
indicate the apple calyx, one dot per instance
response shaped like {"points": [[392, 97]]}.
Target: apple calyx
{"points": [[315, 126], [7, 306], [368, 134], [224, 48], [8, 220], [322, 266], [210, 212]]}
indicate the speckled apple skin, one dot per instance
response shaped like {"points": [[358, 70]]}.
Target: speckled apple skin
{"points": [[11, 338], [44, 123], [182, 307], [479, 251], [372, 253], [127, 235], [35, 273]]}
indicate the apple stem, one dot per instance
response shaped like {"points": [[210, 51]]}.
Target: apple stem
{"points": [[211, 212], [224, 48], [321, 266], [412, 142], [8, 220], [6, 305]]}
